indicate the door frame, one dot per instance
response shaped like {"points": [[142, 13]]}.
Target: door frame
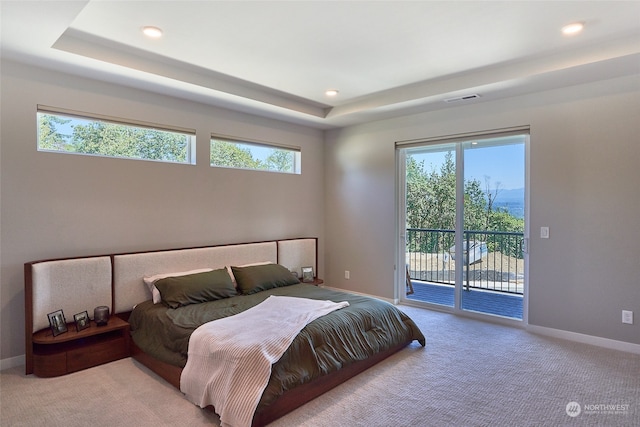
{"points": [[400, 223]]}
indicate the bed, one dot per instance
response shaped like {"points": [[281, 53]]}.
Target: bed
{"points": [[326, 351]]}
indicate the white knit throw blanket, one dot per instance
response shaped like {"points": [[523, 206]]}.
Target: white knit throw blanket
{"points": [[230, 359]]}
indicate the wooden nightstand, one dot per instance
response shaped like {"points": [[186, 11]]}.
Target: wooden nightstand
{"points": [[73, 351], [315, 282]]}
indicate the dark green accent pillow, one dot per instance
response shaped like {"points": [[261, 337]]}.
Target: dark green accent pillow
{"points": [[256, 278], [196, 288]]}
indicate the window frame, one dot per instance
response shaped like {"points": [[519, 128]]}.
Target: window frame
{"points": [[132, 123], [243, 142]]}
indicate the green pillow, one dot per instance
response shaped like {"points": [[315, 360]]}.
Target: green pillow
{"points": [[196, 288], [256, 278]]}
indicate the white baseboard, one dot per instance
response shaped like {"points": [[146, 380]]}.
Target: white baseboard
{"points": [[585, 339], [12, 362], [556, 333], [392, 301]]}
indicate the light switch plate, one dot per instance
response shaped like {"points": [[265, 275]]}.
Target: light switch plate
{"points": [[544, 232]]}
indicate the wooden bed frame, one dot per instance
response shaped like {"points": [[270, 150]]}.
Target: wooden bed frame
{"points": [[78, 284], [289, 400]]}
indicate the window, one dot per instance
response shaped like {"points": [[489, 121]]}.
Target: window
{"points": [[79, 133], [229, 153]]}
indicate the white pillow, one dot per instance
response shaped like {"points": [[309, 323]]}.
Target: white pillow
{"points": [[150, 281], [233, 278]]}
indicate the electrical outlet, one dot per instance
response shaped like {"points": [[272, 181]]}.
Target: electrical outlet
{"points": [[627, 317], [346, 274]]}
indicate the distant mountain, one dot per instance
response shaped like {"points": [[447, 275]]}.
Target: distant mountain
{"points": [[516, 194]]}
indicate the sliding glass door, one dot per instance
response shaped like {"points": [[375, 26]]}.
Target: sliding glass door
{"points": [[430, 195], [462, 210]]}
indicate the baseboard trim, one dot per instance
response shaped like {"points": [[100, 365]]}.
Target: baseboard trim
{"points": [[585, 339], [556, 333], [12, 362], [389, 300]]}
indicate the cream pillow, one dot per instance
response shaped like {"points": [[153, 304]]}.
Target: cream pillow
{"points": [[150, 281]]}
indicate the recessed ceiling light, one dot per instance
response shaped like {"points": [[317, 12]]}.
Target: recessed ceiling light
{"points": [[154, 32], [331, 92], [573, 28]]}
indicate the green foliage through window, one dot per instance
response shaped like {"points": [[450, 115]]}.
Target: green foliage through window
{"points": [[431, 204], [80, 135], [248, 155]]}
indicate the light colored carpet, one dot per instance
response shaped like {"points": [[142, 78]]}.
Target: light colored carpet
{"points": [[470, 374]]}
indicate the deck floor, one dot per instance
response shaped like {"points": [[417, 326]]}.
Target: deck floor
{"points": [[497, 303]]}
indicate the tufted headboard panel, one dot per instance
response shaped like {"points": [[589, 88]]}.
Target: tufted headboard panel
{"points": [[129, 269]]}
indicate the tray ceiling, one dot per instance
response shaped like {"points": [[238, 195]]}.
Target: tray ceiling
{"points": [[277, 59]]}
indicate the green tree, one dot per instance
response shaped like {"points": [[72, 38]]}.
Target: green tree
{"points": [[475, 206], [280, 160], [227, 154], [48, 136], [105, 139], [418, 194], [111, 139], [431, 204], [162, 145], [431, 196]]}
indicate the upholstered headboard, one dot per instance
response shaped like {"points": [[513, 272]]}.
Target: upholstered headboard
{"points": [[116, 281], [297, 253], [74, 285], [129, 269]]}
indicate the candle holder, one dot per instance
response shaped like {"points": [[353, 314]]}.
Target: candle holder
{"points": [[101, 315]]}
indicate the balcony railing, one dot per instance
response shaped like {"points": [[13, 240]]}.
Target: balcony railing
{"points": [[493, 260]]}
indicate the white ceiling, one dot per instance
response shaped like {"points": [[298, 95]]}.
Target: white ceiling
{"points": [[277, 58]]}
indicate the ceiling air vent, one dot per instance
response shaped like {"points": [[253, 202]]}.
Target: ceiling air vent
{"points": [[463, 98]]}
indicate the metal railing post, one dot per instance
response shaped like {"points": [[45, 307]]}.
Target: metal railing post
{"points": [[466, 259]]}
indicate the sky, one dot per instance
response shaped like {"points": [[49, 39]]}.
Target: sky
{"points": [[503, 164]]}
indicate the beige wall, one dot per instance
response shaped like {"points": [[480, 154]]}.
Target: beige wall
{"points": [[56, 205], [584, 178], [583, 169]]}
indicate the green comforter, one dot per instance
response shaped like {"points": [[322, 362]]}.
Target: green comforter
{"points": [[367, 326]]}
